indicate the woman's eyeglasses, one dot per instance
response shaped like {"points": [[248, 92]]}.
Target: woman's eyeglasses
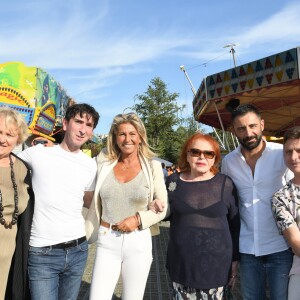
{"points": [[206, 153]]}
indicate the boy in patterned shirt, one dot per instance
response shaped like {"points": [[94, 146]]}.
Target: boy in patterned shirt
{"points": [[286, 207]]}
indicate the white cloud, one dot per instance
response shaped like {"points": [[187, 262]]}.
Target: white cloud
{"points": [[75, 34], [86, 48], [282, 27], [276, 33], [77, 37]]}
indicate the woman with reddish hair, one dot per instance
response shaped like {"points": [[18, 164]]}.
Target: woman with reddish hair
{"points": [[204, 223]]}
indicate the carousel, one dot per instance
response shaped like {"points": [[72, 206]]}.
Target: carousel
{"points": [[271, 83]]}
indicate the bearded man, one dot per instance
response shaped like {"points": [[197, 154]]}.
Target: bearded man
{"points": [[258, 170]]}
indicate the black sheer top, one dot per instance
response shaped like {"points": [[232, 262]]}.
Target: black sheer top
{"points": [[204, 231]]}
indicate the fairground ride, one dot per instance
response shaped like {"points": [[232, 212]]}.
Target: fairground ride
{"points": [[271, 83], [37, 96]]}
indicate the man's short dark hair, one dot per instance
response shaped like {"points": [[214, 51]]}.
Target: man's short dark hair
{"points": [[291, 134], [81, 109], [243, 109]]}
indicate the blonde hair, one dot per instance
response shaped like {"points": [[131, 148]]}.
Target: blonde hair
{"points": [[13, 117], [113, 151]]}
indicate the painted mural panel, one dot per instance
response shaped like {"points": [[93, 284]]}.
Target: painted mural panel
{"points": [[35, 94]]}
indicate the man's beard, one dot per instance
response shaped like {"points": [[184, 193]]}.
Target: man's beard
{"points": [[252, 145]]}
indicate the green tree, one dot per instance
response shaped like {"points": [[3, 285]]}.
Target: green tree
{"points": [[178, 137], [159, 111], [173, 143], [167, 130], [191, 126]]}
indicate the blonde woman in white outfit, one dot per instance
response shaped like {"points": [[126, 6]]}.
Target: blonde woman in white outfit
{"points": [[128, 180]]}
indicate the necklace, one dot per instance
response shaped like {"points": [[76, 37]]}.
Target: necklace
{"points": [[15, 214], [125, 167]]}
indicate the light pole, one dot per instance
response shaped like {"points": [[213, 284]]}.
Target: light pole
{"points": [[188, 78], [232, 51], [192, 88]]}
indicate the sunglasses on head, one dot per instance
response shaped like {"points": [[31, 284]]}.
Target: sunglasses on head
{"points": [[206, 153]]}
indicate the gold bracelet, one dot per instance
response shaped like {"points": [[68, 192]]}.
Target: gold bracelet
{"points": [[139, 220]]}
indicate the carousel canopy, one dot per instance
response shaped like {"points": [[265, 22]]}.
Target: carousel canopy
{"points": [[272, 84]]}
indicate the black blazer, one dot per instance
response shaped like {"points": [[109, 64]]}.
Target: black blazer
{"points": [[18, 285]]}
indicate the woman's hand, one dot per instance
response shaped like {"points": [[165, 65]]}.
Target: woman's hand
{"points": [[156, 206], [233, 276], [128, 225]]}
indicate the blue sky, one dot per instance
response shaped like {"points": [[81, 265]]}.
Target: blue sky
{"points": [[104, 52]]}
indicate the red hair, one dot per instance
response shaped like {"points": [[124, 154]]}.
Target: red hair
{"points": [[183, 163]]}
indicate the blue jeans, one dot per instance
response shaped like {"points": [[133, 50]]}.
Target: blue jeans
{"points": [[55, 274], [256, 270]]}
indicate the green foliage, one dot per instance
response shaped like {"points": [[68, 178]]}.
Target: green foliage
{"points": [[95, 148], [159, 111], [191, 126], [175, 140]]}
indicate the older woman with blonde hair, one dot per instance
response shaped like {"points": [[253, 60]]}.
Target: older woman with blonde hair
{"points": [[128, 179], [16, 208]]}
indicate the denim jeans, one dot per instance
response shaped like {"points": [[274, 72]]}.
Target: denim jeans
{"points": [[55, 274], [255, 271]]}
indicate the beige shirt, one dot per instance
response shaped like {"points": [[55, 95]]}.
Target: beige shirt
{"points": [[155, 180], [122, 200], [8, 236]]}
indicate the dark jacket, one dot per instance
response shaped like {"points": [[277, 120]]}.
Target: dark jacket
{"points": [[17, 284]]}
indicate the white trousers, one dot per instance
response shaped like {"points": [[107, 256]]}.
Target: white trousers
{"points": [[294, 287], [127, 253]]}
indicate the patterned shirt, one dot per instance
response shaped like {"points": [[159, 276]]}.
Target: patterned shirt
{"points": [[286, 210]]}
